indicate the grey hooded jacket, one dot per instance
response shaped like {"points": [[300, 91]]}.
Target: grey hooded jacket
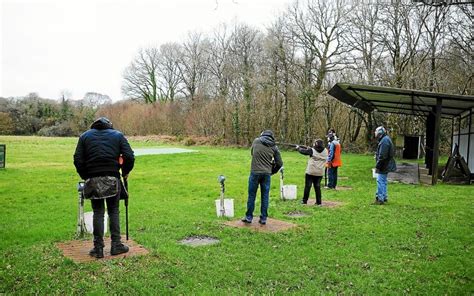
{"points": [[266, 158]]}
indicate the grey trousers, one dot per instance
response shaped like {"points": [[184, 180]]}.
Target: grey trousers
{"points": [[98, 205]]}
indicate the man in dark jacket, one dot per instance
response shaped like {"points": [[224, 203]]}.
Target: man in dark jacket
{"points": [[266, 161], [97, 155], [385, 163]]}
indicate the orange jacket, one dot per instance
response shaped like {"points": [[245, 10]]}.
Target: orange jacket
{"points": [[334, 158]]}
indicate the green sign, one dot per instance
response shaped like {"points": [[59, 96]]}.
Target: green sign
{"points": [[3, 153]]}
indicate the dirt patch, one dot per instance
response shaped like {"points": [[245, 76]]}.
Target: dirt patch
{"points": [[297, 214], [196, 241], [78, 250], [325, 203], [272, 225]]}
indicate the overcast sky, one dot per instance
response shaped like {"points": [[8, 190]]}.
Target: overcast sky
{"points": [[48, 46]]}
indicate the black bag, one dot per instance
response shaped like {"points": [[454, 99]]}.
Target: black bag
{"points": [[101, 187]]}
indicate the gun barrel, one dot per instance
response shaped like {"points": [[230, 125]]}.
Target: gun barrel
{"points": [[290, 145]]}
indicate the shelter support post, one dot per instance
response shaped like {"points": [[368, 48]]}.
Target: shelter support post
{"points": [[430, 138], [434, 175], [469, 131]]}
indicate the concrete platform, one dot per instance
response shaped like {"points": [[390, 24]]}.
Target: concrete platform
{"points": [[78, 250], [273, 225]]}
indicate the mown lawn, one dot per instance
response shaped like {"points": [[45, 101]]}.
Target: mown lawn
{"points": [[420, 243]]}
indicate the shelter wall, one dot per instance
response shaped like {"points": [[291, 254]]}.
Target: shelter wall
{"points": [[463, 145]]}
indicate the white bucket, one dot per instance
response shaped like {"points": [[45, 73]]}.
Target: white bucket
{"points": [[374, 174], [89, 225], [228, 207], [289, 191]]}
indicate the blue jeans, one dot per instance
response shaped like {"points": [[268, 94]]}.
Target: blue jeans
{"points": [[381, 194], [254, 181], [332, 177]]}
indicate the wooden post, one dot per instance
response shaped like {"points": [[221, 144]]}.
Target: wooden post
{"points": [[434, 175], [469, 131]]}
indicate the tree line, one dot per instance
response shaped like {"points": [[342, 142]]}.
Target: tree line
{"points": [[231, 83], [34, 115], [238, 80]]}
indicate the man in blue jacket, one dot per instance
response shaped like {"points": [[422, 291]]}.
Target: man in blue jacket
{"points": [[97, 161], [266, 161], [385, 163]]}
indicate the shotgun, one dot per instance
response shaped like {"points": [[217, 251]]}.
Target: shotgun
{"points": [[291, 145], [125, 184]]}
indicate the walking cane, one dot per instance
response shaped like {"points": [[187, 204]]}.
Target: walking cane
{"points": [[125, 183]]}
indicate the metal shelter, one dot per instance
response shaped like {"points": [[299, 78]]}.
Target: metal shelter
{"points": [[431, 105]]}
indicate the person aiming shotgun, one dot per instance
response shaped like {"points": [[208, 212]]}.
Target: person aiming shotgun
{"points": [[315, 168], [97, 162]]}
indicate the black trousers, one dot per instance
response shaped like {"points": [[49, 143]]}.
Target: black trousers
{"points": [[98, 205], [312, 181]]}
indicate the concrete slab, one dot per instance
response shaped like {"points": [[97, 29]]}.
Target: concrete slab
{"points": [[197, 241], [78, 250], [273, 225], [406, 173], [325, 203], [153, 151]]}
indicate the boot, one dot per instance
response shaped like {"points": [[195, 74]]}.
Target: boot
{"points": [[119, 248], [97, 252]]}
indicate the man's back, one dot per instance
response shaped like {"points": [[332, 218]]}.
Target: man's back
{"points": [[98, 151], [266, 157]]}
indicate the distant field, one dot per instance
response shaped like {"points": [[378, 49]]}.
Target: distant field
{"points": [[420, 243]]}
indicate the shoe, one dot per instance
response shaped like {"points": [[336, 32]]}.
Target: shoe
{"points": [[326, 187], [304, 202], [245, 220], [319, 205], [97, 252], [262, 222], [378, 202], [117, 249]]}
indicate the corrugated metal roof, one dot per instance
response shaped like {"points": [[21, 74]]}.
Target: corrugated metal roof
{"points": [[399, 100]]}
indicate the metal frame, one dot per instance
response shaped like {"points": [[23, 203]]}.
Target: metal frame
{"points": [[423, 103]]}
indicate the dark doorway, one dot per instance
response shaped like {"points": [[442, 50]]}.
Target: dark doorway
{"points": [[411, 147]]}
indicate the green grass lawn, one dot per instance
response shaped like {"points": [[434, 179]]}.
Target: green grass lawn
{"points": [[420, 243]]}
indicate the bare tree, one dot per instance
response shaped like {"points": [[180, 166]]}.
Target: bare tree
{"points": [[246, 48], [280, 53], [140, 77], [461, 48], [192, 63], [318, 28], [401, 33], [94, 100], [219, 69], [169, 79], [367, 52]]}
